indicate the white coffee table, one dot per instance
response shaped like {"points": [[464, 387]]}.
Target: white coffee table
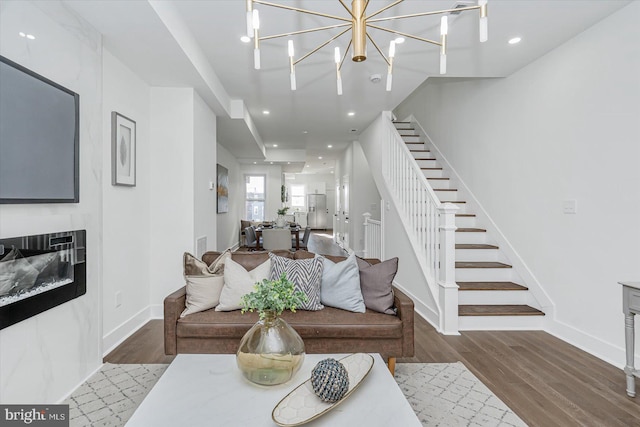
{"points": [[209, 390]]}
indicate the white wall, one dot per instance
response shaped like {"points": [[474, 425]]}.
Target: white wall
{"points": [[363, 194], [228, 224], [172, 192], [126, 210], [46, 356], [204, 161], [564, 127]]}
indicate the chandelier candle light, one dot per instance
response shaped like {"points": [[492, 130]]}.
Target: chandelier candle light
{"points": [[358, 22]]}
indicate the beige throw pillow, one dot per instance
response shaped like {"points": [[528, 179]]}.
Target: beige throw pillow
{"points": [[239, 282], [204, 283]]}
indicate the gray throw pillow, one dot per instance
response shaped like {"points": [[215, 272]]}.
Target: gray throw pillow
{"points": [[340, 285], [305, 274], [376, 284]]}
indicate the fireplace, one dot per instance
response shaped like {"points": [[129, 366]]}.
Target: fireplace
{"points": [[40, 272]]}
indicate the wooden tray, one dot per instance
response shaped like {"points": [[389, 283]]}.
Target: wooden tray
{"points": [[302, 405]]}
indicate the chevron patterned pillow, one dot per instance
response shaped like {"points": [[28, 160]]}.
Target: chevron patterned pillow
{"points": [[305, 274]]}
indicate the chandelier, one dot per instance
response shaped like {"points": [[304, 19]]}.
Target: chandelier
{"points": [[358, 22]]}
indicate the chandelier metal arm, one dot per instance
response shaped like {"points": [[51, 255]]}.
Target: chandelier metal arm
{"points": [[411, 36], [320, 46], [379, 50], [364, 9], [296, 9], [347, 9], [384, 8], [413, 15], [346, 52], [293, 33]]}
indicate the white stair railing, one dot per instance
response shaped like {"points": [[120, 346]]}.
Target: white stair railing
{"points": [[372, 237], [430, 224]]}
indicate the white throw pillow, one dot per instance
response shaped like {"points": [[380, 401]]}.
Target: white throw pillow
{"points": [[340, 285], [239, 282], [203, 289]]}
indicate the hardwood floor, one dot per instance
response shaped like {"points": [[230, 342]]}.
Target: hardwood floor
{"points": [[544, 380]]}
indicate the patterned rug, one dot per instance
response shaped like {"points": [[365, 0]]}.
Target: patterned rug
{"points": [[441, 394]]}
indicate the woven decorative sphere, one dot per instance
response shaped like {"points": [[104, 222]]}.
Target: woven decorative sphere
{"points": [[330, 380]]}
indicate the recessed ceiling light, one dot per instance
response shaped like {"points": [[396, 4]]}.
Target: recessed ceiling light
{"points": [[245, 39], [22, 34], [265, 112], [399, 40], [275, 145], [329, 146], [307, 165], [331, 171], [255, 163], [31, 37], [288, 163], [351, 113], [319, 157], [305, 131], [515, 40], [271, 162]]}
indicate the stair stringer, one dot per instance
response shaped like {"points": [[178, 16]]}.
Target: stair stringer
{"points": [[542, 299], [429, 308]]}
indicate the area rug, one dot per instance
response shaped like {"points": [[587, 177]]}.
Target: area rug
{"points": [[441, 394]]}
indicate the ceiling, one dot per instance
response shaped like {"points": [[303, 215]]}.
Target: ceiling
{"points": [[196, 43]]}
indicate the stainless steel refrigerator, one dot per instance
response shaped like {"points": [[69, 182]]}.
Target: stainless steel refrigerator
{"points": [[317, 211]]}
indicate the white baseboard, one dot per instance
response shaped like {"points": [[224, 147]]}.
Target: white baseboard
{"points": [[114, 338], [423, 310], [157, 311], [603, 350]]}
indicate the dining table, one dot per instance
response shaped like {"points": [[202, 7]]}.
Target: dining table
{"points": [[295, 231]]}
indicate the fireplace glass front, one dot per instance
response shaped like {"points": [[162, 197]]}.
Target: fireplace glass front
{"points": [[40, 272]]}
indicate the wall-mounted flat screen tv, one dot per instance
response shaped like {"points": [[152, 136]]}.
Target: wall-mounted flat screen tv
{"points": [[39, 138]]}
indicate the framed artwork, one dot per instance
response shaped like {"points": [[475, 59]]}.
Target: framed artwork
{"points": [[223, 189], [123, 150]]}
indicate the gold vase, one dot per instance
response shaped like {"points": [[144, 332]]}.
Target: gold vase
{"points": [[271, 352]]}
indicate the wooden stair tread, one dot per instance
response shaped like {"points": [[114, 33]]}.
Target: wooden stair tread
{"points": [[466, 215], [440, 179], [445, 189], [498, 310], [474, 246], [413, 150], [430, 169], [481, 264], [452, 201], [470, 230], [490, 286]]}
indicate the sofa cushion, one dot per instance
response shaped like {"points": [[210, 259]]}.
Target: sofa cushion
{"points": [[327, 323], [239, 282], [203, 283], [376, 284], [340, 285], [305, 274]]}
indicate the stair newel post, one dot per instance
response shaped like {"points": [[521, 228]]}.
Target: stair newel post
{"points": [[448, 294], [367, 217]]}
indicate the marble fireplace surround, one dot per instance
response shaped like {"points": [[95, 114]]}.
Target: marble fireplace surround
{"points": [[40, 272]]}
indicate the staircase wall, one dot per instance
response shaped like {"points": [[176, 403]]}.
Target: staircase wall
{"points": [[564, 127], [396, 243]]}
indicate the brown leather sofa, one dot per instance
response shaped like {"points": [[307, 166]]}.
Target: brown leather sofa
{"points": [[329, 330]]}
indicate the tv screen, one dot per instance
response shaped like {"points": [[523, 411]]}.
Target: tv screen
{"points": [[39, 138]]}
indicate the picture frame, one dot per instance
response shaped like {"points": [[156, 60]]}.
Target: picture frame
{"points": [[123, 150], [222, 189]]}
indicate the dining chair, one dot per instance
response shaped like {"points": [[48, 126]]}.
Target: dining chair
{"points": [[276, 238], [251, 241], [305, 239]]}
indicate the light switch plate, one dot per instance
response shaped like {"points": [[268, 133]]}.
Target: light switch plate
{"points": [[570, 206]]}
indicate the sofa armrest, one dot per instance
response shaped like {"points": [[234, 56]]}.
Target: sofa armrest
{"points": [[173, 305], [404, 305]]}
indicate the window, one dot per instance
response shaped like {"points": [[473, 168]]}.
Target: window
{"points": [[297, 196], [254, 195]]}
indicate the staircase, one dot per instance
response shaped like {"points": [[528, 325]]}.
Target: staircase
{"points": [[489, 288]]}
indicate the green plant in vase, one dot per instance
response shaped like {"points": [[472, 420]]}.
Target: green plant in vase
{"points": [[281, 213], [271, 352]]}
